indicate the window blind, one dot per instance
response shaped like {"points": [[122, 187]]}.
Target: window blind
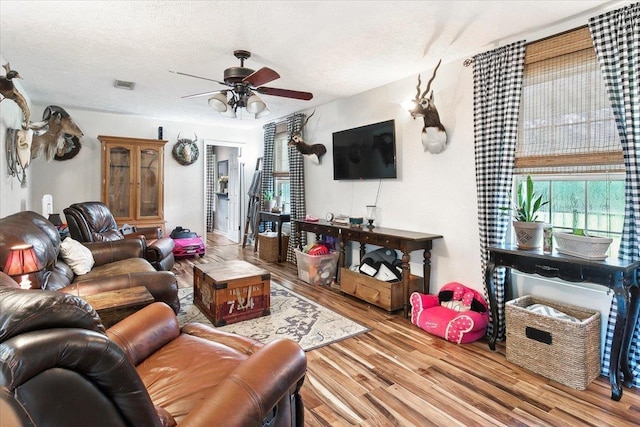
{"points": [[566, 124]]}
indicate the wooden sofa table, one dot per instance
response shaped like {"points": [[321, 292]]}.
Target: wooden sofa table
{"points": [[113, 306]]}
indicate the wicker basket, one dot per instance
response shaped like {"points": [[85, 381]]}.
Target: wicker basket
{"points": [[588, 247], [561, 350], [268, 246]]}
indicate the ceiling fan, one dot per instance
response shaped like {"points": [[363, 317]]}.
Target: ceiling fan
{"points": [[243, 83]]}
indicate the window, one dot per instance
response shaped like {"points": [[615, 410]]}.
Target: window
{"points": [[592, 202], [281, 184], [567, 137]]}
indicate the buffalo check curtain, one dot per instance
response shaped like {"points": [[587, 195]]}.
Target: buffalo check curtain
{"points": [[296, 180], [497, 87], [296, 177], [616, 39], [267, 160]]}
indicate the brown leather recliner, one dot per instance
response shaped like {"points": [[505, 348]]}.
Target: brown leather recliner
{"points": [[94, 222], [59, 367]]}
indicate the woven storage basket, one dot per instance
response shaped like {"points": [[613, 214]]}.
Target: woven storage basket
{"points": [[561, 350], [268, 246]]}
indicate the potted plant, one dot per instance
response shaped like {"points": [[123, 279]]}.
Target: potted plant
{"points": [[269, 203], [528, 229]]}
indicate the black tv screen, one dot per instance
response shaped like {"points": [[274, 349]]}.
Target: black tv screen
{"points": [[366, 152]]}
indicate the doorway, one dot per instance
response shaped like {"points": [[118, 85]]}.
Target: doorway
{"points": [[223, 183]]}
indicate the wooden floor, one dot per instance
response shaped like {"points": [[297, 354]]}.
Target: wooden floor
{"points": [[398, 375]]}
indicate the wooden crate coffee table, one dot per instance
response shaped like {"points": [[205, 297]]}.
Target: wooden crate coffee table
{"points": [[113, 306], [231, 291]]}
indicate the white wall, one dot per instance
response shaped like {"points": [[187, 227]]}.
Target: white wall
{"points": [[432, 194], [78, 179]]}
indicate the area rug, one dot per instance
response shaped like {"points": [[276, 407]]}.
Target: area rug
{"points": [[292, 316]]}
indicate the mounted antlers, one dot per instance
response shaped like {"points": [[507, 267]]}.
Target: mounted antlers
{"points": [[434, 135], [305, 149]]}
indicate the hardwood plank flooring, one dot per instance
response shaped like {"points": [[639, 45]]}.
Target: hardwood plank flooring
{"points": [[398, 375]]}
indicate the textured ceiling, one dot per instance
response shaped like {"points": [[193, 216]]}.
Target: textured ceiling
{"points": [[70, 52]]}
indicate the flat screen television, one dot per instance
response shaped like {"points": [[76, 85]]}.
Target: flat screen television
{"points": [[365, 152]]}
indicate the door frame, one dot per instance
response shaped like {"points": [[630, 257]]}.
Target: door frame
{"points": [[240, 212]]}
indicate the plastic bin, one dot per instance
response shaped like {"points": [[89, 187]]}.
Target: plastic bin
{"points": [[317, 270]]}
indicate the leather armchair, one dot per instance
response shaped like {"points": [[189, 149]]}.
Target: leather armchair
{"points": [[59, 367], [94, 222]]}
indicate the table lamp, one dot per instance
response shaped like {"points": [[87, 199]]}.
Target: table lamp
{"points": [[22, 261]]}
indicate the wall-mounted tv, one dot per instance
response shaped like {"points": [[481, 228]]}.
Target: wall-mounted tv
{"points": [[365, 152]]}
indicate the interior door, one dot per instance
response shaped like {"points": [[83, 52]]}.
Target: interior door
{"points": [[234, 198]]}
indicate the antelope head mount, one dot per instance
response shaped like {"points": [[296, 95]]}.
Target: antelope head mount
{"points": [[305, 149], [434, 135]]}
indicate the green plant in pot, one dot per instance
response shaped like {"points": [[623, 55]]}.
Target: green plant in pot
{"points": [[269, 203], [528, 229]]}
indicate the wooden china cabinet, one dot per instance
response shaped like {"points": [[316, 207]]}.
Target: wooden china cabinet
{"points": [[133, 180]]}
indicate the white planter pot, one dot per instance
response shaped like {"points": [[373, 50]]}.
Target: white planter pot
{"points": [[269, 204], [529, 234]]}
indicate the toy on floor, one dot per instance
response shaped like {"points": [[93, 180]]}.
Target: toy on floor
{"points": [[458, 314], [187, 243]]}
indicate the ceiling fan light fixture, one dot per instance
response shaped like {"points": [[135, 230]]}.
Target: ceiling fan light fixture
{"points": [[255, 105], [219, 102]]}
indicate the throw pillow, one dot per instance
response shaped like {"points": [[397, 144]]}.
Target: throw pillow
{"points": [[77, 256]]}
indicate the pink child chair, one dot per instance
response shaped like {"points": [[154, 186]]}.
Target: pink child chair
{"points": [[458, 314]]}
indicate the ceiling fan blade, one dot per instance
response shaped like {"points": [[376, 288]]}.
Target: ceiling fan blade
{"points": [[198, 77], [286, 93], [263, 76], [201, 94]]}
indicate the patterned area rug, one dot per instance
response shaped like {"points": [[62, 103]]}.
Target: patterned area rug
{"points": [[292, 316]]}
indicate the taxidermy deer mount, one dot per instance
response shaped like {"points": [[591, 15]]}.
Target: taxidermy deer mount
{"points": [[434, 135], [305, 149]]}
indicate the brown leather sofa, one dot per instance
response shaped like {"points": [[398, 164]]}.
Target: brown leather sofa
{"points": [[94, 222], [59, 367], [118, 264]]}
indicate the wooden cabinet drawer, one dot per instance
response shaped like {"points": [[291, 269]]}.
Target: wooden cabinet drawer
{"points": [[387, 295]]}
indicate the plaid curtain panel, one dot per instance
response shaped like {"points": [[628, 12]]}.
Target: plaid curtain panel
{"points": [[497, 86], [267, 161], [211, 186], [616, 39], [296, 179]]}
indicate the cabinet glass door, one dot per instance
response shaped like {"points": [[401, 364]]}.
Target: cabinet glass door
{"points": [[119, 190], [149, 175]]}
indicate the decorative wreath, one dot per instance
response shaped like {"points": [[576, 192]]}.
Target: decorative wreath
{"points": [[185, 151]]}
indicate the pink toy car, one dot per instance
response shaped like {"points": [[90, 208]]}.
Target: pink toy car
{"points": [[187, 243]]}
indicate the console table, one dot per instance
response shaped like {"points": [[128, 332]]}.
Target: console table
{"points": [[278, 218], [405, 241], [620, 276]]}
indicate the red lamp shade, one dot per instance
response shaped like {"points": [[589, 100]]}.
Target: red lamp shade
{"points": [[22, 261]]}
